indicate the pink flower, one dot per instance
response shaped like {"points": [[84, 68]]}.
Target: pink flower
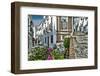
{"points": [[49, 49], [50, 57]]}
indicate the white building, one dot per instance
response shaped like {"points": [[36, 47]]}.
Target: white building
{"points": [[46, 31]]}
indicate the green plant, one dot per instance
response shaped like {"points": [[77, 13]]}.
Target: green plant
{"points": [[38, 53], [57, 54], [66, 45], [66, 42]]}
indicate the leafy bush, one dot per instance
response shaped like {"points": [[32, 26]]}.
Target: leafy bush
{"points": [[38, 53], [57, 54]]}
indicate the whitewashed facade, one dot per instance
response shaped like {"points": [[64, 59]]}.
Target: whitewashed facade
{"points": [[46, 31]]}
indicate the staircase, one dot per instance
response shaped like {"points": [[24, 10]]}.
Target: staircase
{"points": [[81, 45]]}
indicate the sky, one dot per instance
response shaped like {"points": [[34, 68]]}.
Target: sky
{"points": [[37, 19]]}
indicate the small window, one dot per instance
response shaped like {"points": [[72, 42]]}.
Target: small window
{"points": [[64, 21], [51, 38], [45, 39]]}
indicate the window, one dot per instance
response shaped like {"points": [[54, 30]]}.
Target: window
{"points": [[45, 39], [64, 21], [51, 38]]}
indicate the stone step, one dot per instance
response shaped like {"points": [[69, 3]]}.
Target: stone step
{"points": [[79, 34], [81, 45], [81, 41]]}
